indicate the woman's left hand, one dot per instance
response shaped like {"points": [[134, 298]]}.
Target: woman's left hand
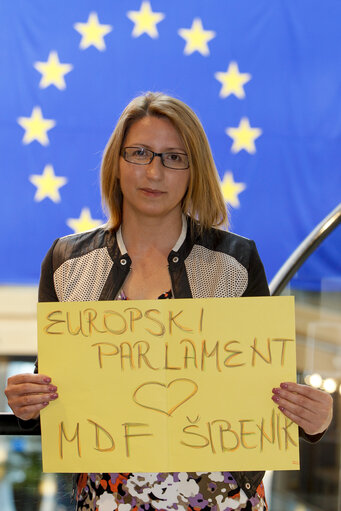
{"points": [[310, 408]]}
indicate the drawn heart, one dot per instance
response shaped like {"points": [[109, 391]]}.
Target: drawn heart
{"points": [[177, 381]]}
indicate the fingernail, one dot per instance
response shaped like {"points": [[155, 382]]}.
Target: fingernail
{"points": [[275, 398], [284, 385], [47, 380], [52, 388], [53, 396], [45, 404], [275, 390], [281, 408]]}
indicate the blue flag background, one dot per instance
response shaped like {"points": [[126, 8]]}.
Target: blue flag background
{"points": [[264, 78]]}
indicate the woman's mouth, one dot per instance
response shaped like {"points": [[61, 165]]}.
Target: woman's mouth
{"points": [[151, 192]]}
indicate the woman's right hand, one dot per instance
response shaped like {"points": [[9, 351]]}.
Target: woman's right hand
{"points": [[28, 393]]}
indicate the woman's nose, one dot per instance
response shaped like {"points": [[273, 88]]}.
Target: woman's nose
{"points": [[155, 168]]}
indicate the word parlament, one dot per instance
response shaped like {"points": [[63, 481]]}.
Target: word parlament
{"points": [[221, 355], [167, 385]]}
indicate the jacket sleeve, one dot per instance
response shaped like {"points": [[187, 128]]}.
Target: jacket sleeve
{"points": [[311, 439], [257, 283], [46, 293]]}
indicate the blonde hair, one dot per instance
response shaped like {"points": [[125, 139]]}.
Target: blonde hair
{"points": [[203, 201]]}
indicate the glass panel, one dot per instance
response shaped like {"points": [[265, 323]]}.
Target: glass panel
{"points": [[317, 291], [23, 487]]}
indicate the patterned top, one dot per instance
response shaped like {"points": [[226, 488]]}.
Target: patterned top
{"points": [[177, 491], [195, 491]]}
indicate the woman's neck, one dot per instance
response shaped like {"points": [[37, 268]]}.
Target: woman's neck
{"points": [[142, 235]]}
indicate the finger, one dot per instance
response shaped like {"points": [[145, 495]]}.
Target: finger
{"points": [[33, 399], [299, 401], [300, 421], [30, 412], [305, 390], [29, 378], [295, 407], [18, 391], [310, 427], [314, 399], [32, 388]]}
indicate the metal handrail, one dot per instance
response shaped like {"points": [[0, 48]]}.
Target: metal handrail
{"points": [[304, 250], [9, 424]]}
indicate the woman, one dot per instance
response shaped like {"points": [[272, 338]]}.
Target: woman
{"points": [[162, 193]]}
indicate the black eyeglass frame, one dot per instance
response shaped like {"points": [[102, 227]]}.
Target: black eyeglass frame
{"points": [[153, 154]]}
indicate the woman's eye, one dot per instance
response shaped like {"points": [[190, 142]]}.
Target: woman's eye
{"points": [[139, 152], [174, 156]]}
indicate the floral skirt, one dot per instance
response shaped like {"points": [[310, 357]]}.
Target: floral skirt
{"points": [[178, 491]]}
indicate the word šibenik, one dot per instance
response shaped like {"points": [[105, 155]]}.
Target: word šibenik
{"points": [[218, 436]]}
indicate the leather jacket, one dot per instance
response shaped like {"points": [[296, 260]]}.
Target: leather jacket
{"points": [[94, 265]]}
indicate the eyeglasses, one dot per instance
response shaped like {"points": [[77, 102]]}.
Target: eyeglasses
{"points": [[143, 156]]}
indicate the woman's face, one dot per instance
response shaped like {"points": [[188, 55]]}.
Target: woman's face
{"points": [[153, 190]]}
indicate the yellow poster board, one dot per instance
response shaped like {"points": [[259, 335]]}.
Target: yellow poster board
{"points": [[167, 385]]}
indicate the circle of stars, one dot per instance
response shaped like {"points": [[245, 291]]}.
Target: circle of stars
{"points": [[92, 32]]}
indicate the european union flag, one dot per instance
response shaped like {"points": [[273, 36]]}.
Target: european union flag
{"points": [[264, 78]]}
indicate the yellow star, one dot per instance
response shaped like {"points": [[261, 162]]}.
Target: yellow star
{"points": [[244, 136], [47, 184], [196, 38], [92, 32], [231, 189], [36, 127], [53, 71], [145, 20], [84, 222], [232, 81]]}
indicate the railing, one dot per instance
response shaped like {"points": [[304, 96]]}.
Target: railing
{"points": [[304, 250], [9, 424]]}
